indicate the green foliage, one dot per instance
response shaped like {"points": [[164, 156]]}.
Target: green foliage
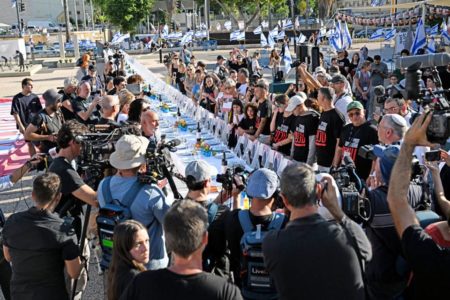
{"points": [[126, 14]]}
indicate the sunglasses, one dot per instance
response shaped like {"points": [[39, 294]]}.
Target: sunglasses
{"points": [[352, 114]]}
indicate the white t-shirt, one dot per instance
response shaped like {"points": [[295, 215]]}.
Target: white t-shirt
{"points": [[122, 117], [341, 105], [242, 90]]}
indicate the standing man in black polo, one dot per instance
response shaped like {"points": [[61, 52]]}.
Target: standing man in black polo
{"points": [[25, 105], [45, 125], [329, 130], [264, 114], [358, 133]]}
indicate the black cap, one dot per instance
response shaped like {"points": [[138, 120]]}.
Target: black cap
{"points": [[219, 57], [92, 68]]}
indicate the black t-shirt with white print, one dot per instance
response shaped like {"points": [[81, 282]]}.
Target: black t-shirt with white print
{"points": [[282, 131], [353, 138], [329, 130], [303, 127]]}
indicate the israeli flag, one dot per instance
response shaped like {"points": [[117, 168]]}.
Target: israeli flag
{"points": [[301, 38], [237, 35], [281, 35], [115, 37], [272, 39], [263, 40], [336, 39], [227, 25], [390, 34], [287, 24], [257, 30], [431, 47], [241, 36], [120, 38], [434, 30], [420, 39], [165, 32], [377, 3], [378, 34], [346, 37], [287, 59], [187, 38], [265, 24], [445, 36]]}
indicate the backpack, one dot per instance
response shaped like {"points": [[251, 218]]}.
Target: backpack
{"points": [[113, 213], [212, 209], [256, 282]]}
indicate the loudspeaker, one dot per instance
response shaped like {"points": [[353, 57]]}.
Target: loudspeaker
{"points": [[302, 53], [315, 59]]}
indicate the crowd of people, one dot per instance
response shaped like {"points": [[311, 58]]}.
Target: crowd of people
{"points": [[299, 238]]}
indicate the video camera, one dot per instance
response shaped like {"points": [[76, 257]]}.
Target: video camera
{"points": [[236, 175], [438, 130], [355, 206]]}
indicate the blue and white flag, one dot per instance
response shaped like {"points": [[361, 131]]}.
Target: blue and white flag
{"points": [[390, 34], [287, 59], [271, 38], [377, 2], [431, 47], [241, 36], [434, 30], [257, 30], [227, 25], [445, 35], [378, 34], [346, 37], [200, 34], [336, 39], [301, 38], [265, 24], [281, 35], [187, 38], [287, 24], [420, 39], [119, 38], [263, 40], [165, 32], [115, 37], [235, 35]]}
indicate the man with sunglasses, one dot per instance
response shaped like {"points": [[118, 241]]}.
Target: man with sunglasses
{"points": [[45, 125], [358, 133]]}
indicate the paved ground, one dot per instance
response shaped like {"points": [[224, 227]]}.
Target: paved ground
{"points": [[18, 198]]}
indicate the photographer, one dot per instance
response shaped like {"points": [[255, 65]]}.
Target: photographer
{"points": [[340, 246], [8, 181], [44, 127], [261, 187], [74, 191], [84, 110], [39, 244], [94, 80], [429, 262], [385, 273], [148, 206], [198, 180]]}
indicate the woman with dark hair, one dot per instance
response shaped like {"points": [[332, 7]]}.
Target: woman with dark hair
{"points": [[235, 117], [354, 64], [209, 94], [137, 107], [109, 84], [248, 124], [130, 254]]}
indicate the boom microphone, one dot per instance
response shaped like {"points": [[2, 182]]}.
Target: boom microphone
{"points": [[427, 60]]}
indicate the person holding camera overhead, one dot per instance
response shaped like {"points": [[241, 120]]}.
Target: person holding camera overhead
{"points": [[85, 111], [148, 206]]}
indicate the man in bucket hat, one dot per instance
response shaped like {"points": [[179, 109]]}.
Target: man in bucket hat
{"points": [[149, 205]]}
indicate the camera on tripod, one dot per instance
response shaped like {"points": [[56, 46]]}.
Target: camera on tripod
{"points": [[355, 206], [438, 130]]}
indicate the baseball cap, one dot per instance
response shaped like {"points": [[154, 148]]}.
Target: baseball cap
{"points": [[354, 105], [220, 57], [295, 101], [92, 68], [338, 78], [51, 96], [129, 153], [388, 155], [320, 69], [200, 170], [262, 184]]}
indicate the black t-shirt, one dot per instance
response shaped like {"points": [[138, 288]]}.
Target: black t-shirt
{"points": [[343, 63], [26, 107], [39, 242], [47, 125], [264, 111], [328, 131], [282, 131], [68, 115], [352, 138], [303, 127], [82, 105], [248, 124], [124, 275], [70, 182], [165, 284], [430, 264], [234, 233]]}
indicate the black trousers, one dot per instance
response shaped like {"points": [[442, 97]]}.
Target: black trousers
{"points": [[5, 276]]}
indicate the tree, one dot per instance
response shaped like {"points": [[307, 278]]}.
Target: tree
{"points": [[325, 7], [126, 14]]}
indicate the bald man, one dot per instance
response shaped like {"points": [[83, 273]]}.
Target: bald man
{"points": [[149, 123], [110, 108], [81, 106]]}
